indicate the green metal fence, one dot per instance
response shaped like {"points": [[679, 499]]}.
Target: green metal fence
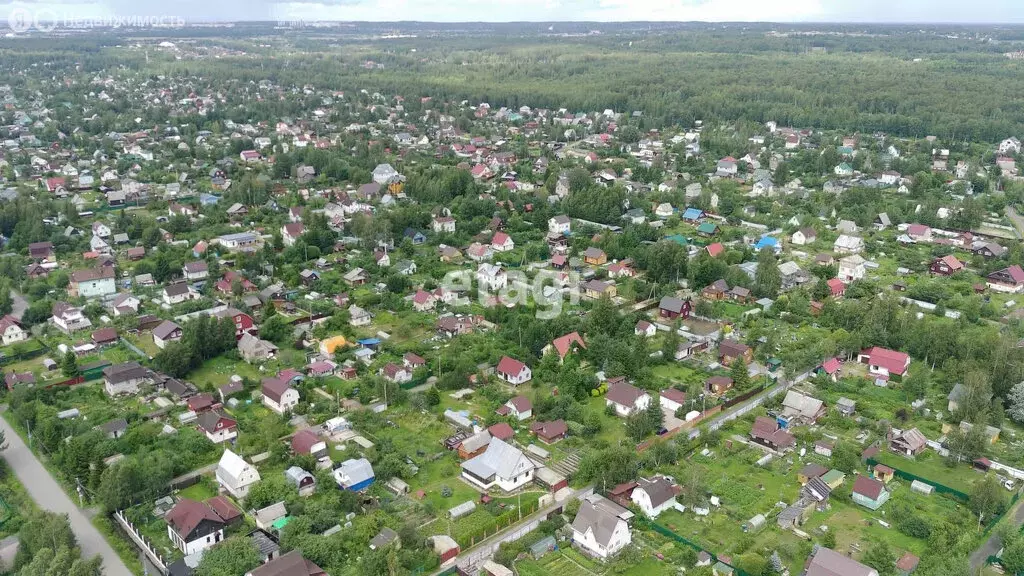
{"points": [[940, 488], [641, 521]]}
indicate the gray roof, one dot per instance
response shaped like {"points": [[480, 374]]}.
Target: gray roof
{"points": [[357, 470], [827, 562], [501, 460], [271, 513], [383, 538], [601, 522], [659, 490]]}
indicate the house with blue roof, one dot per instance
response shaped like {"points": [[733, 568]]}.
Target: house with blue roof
{"points": [[768, 242], [354, 474], [693, 214]]}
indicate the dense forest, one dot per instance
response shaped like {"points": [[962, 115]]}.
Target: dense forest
{"points": [[954, 84]]}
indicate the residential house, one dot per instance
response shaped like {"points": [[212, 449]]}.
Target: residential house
{"points": [[501, 465], [502, 242], [908, 442], [195, 271], [478, 252], [235, 475], [946, 265], [718, 385], [396, 373], [559, 224], [423, 301], [851, 268], [645, 329], [1009, 280], [919, 233], [654, 496], [827, 562], [69, 319], [626, 398], [767, 432], [290, 564], [217, 426], [598, 531], [730, 350], [563, 345], [519, 407], [303, 481], [166, 332], [672, 399], [354, 474], [594, 256], [550, 432], [254, 349], [803, 237], [596, 289], [194, 526], [491, 277], [125, 304], [846, 244], [513, 371], [11, 330], [279, 396], [672, 308], [798, 408], [443, 224], [884, 362], [93, 282], [125, 378], [291, 232], [869, 492], [178, 293]]}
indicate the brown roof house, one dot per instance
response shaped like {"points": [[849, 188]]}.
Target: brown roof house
{"points": [[766, 432], [626, 398], [730, 350]]}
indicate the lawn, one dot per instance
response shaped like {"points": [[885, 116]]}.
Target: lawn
{"points": [[217, 371], [199, 492], [932, 467], [551, 563]]}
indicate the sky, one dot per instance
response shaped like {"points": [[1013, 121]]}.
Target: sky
{"points": [[896, 11]]}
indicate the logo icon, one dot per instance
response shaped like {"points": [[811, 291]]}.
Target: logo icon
{"points": [[19, 20]]}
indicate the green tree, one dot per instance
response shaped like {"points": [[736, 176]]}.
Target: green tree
{"points": [[69, 365], [828, 539], [768, 278], [433, 396], [881, 558], [740, 375], [987, 498], [232, 557], [845, 458]]}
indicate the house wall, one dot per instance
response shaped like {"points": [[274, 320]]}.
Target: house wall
{"points": [[96, 288], [223, 435], [14, 334], [127, 387], [869, 503], [619, 540], [246, 480]]}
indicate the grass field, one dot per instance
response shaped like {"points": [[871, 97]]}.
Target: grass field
{"points": [[933, 467]]}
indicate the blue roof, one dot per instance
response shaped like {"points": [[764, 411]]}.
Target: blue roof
{"points": [[370, 341], [678, 239], [766, 242], [692, 214]]}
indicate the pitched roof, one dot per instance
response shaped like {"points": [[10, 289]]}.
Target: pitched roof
{"points": [[304, 441], [867, 487], [891, 360], [165, 329], [827, 562], [290, 564], [501, 460], [624, 394], [596, 519], [188, 514], [563, 344], [549, 429], [274, 388], [509, 365], [659, 490], [521, 403]]}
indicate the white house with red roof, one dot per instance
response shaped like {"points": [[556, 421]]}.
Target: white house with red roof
{"points": [[884, 362], [291, 232], [11, 330], [396, 373], [513, 371], [502, 242], [831, 368], [919, 232], [645, 328], [563, 345], [519, 408], [626, 398], [217, 426], [423, 301], [672, 399], [413, 361]]}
